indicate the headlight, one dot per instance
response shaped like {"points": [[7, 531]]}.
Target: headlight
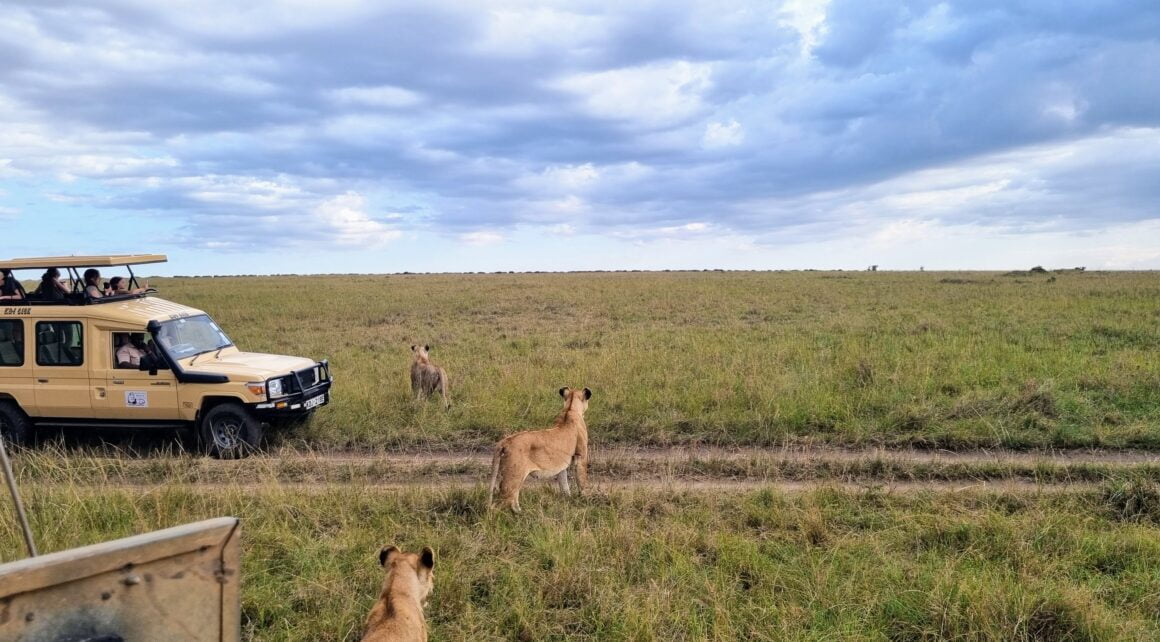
{"points": [[274, 388]]}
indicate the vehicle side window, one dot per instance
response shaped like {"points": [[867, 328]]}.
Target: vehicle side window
{"points": [[59, 343], [11, 342]]}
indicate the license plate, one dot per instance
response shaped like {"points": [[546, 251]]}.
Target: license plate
{"points": [[313, 401]]}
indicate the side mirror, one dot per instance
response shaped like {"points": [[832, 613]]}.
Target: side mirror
{"points": [[152, 364]]}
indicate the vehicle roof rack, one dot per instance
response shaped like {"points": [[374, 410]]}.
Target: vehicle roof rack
{"points": [[106, 260]]}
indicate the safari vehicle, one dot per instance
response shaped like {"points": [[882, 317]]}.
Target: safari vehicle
{"points": [[59, 365]]}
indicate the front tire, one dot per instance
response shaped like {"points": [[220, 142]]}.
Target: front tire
{"points": [[229, 431]]}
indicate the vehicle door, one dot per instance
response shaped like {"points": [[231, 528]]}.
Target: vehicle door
{"points": [[15, 365], [61, 376], [132, 393]]}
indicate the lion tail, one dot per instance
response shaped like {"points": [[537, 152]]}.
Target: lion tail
{"points": [[443, 388], [495, 462]]}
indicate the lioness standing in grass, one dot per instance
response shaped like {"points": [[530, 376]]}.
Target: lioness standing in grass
{"points": [[544, 453], [398, 615], [427, 377]]}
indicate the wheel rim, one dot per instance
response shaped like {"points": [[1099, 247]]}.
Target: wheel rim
{"points": [[227, 433]]}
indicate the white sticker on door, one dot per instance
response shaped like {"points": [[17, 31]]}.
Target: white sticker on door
{"points": [[136, 399]]}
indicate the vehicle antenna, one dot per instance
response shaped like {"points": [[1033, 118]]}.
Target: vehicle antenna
{"points": [[20, 516]]}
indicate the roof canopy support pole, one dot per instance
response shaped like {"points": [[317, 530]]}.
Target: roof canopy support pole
{"points": [[132, 278], [76, 278], [20, 516]]}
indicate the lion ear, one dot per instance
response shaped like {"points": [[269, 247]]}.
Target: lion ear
{"points": [[564, 392], [427, 558], [386, 553], [587, 394]]}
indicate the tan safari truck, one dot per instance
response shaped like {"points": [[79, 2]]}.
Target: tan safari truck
{"points": [[134, 360]]}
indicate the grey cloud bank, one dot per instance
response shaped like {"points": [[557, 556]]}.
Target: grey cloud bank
{"points": [[358, 122]]}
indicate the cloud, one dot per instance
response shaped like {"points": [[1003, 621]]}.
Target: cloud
{"points": [[722, 135], [344, 217], [516, 31], [481, 238], [566, 178], [246, 212], [855, 30], [380, 96], [806, 17], [1069, 187], [780, 122], [906, 229], [654, 95], [687, 228], [683, 231]]}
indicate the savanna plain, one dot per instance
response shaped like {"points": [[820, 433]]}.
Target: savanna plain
{"points": [[786, 455]]}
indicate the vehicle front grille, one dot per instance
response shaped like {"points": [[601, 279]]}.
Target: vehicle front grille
{"points": [[307, 378]]}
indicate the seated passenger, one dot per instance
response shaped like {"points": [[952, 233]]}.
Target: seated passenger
{"points": [[131, 350], [50, 288], [92, 284], [9, 287], [120, 285]]}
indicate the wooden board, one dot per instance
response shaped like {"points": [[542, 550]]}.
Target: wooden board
{"points": [[180, 583]]}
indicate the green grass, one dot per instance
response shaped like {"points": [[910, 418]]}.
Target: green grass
{"points": [[659, 565], [948, 360], [289, 467], [927, 360]]}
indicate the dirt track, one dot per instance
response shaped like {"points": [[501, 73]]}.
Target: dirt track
{"points": [[606, 487], [790, 454], [683, 469]]}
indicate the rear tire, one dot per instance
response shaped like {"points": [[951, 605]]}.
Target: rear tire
{"points": [[14, 426], [229, 431]]}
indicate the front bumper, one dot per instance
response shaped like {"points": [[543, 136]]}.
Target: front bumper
{"points": [[305, 398]]}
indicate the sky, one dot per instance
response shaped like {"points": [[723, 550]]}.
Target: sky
{"points": [[347, 136]]}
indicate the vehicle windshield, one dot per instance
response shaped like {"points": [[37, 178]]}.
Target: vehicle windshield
{"points": [[186, 337]]}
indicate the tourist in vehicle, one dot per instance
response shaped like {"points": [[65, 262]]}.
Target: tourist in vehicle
{"points": [[120, 285], [131, 350], [9, 287], [50, 287], [92, 284]]}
